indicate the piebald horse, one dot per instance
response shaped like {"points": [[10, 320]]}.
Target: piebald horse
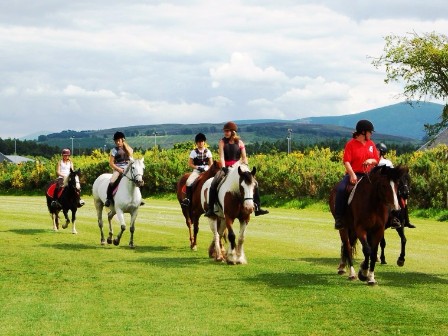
{"points": [[235, 201], [68, 198], [374, 196], [127, 199]]}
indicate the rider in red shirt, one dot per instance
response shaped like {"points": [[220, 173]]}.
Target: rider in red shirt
{"points": [[360, 156]]}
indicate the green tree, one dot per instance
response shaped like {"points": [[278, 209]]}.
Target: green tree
{"points": [[422, 63]]}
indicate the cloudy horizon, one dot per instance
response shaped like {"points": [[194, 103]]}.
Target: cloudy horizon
{"points": [[99, 64]]}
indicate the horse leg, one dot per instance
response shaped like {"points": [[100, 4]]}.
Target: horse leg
{"points": [[67, 221], [371, 275], [55, 219], [231, 253], [382, 256], [400, 260], [194, 243], [110, 237], [120, 217], [74, 220], [366, 250], [99, 212], [215, 242], [346, 255], [132, 228], [240, 255]]}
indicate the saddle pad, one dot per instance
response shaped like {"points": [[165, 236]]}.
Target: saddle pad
{"points": [[51, 188]]}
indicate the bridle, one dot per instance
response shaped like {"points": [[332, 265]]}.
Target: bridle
{"points": [[133, 178]]}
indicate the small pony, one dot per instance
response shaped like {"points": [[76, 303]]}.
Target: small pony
{"points": [[236, 201], [127, 199], [403, 194], [193, 212], [69, 197], [366, 216]]}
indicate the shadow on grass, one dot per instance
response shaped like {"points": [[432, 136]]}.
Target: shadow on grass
{"points": [[30, 231], [178, 262], [390, 278]]}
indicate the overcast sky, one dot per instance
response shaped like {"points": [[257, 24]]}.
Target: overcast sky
{"points": [[95, 64]]}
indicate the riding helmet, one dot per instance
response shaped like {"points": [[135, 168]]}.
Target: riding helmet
{"points": [[364, 126], [230, 126], [200, 137], [119, 135], [66, 151], [381, 148]]}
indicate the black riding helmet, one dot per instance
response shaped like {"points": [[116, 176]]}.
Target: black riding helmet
{"points": [[119, 135], [199, 137], [382, 149], [364, 126]]}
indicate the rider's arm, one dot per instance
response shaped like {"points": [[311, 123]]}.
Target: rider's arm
{"points": [[191, 164], [58, 169], [221, 153], [113, 165], [350, 172]]}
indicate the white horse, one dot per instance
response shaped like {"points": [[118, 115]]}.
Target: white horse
{"points": [[126, 200], [236, 200]]}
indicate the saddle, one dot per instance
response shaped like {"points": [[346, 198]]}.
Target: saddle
{"points": [[52, 188]]}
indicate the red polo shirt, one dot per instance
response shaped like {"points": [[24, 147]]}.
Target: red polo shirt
{"points": [[357, 153]]}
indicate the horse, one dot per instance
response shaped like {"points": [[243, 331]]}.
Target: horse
{"points": [[69, 197], [365, 218], [235, 201], [193, 212], [403, 194], [127, 199]]}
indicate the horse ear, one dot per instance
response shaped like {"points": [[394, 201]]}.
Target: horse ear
{"points": [[254, 170]]}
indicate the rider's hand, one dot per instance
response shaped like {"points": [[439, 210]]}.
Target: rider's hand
{"points": [[201, 169]]}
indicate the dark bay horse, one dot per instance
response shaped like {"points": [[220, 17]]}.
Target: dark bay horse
{"points": [[69, 200], [374, 196], [193, 212], [402, 215], [236, 201]]}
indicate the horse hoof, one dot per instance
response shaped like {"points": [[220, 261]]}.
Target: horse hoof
{"points": [[65, 226], [116, 242], [194, 248], [361, 276], [103, 242], [400, 262], [383, 262], [109, 241], [74, 232], [372, 283], [352, 277], [341, 271]]}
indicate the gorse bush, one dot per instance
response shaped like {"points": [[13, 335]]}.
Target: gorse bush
{"points": [[309, 174]]}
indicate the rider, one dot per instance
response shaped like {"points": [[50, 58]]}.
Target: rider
{"points": [[62, 170], [118, 160], [231, 149], [200, 160], [382, 150], [360, 155]]}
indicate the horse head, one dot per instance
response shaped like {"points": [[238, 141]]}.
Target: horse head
{"points": [[247, 184], [395, 181], [134, 171], [72, 180]]}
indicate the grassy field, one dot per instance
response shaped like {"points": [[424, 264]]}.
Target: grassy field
{"points": [[57, 283]]}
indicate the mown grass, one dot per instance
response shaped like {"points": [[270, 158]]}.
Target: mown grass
{"points": [[56, 283]]}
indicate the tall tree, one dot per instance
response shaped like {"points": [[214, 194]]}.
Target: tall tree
{"points": [[421, 62]]}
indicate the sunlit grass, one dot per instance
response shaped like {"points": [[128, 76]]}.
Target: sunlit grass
{"points": [[56, 283]]}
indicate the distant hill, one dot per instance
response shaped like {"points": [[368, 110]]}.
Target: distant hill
{"points": [[399, 119], [399, 123]]}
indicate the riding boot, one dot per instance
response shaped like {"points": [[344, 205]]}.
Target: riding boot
{"points": [[338, 223], [258, 210], [211, 202], [55, 203], [187, 200], [407, 223], [109, 197]]}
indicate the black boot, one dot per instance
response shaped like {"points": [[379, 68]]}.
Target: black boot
{"points": [[258, 210], [110, 197], [338, 223], [55, 203], [187, 200], [211, 202]]}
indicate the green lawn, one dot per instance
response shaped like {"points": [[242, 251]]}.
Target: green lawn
{"points": [[57, 283]]}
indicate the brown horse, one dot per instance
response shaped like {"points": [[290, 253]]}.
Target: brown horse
{"points": [[374, 196], [193, 212], [235, 201]]}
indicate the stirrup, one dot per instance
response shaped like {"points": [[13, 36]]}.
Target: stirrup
{"points": [[395, 223], [185, 202]]}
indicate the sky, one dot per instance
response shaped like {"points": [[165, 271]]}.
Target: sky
{"points": [[98, 64]]}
